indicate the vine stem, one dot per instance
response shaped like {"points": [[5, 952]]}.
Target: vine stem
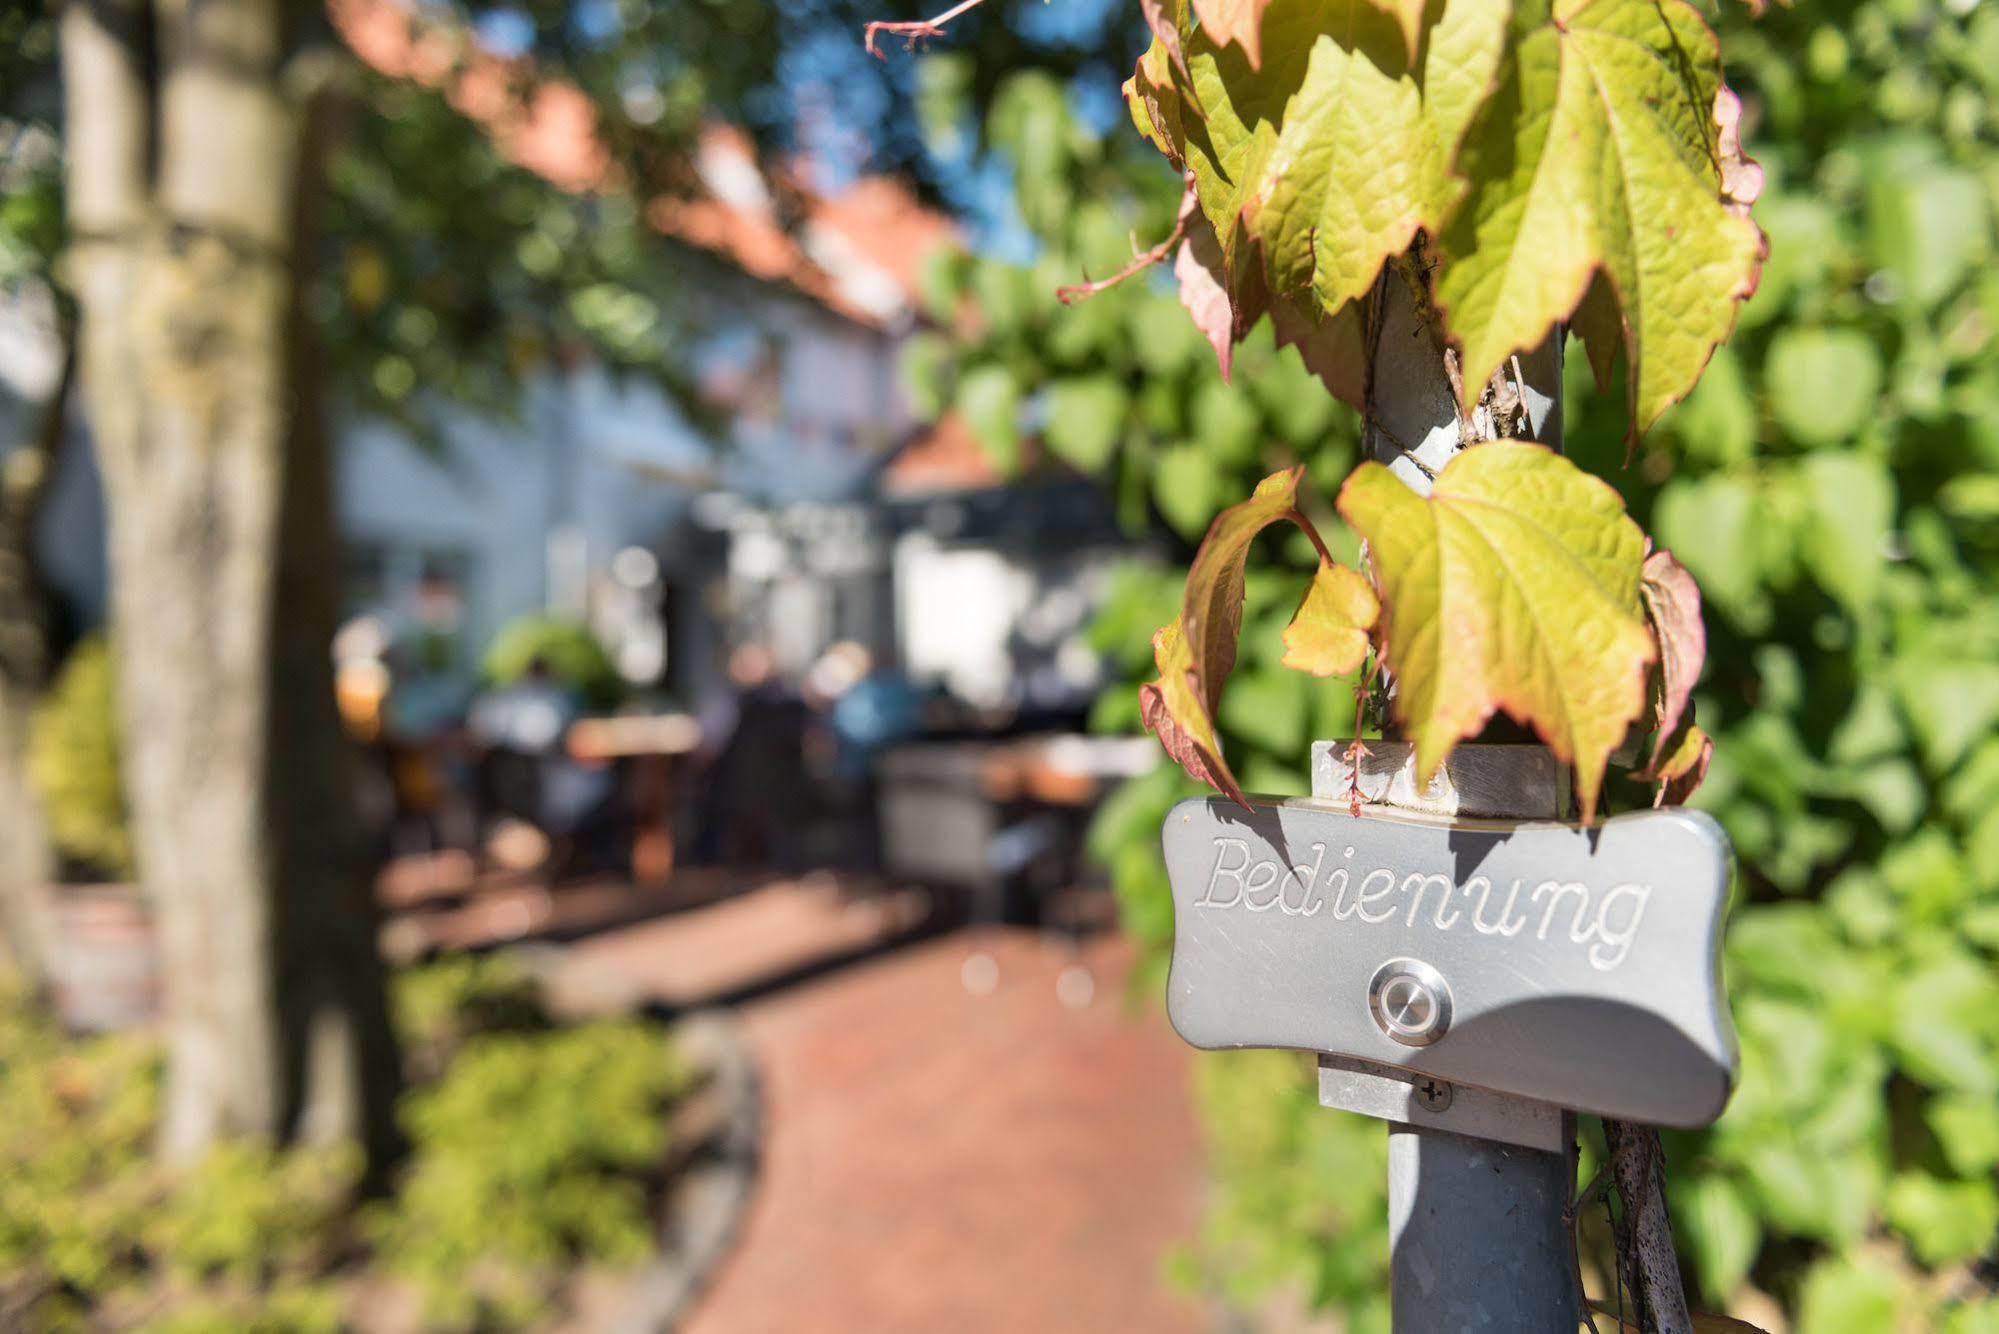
{"points": [[1638, 1162], [1311, 530], [1140, 262], [914, 30]]}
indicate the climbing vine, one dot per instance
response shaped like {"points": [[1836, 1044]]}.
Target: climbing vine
{"points": [[1830, 482], [1519, 167]]}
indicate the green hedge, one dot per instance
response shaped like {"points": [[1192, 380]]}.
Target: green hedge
{"points": [[73, 763], [1833, 483], [529, 1154]]}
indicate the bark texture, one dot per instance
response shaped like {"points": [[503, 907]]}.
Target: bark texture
{"points": [[186, 156]]}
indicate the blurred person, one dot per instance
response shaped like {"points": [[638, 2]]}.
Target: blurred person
{"points": [[879, 710], [528, 774], [752, 797]]}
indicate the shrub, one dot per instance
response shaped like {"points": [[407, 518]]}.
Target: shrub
{"points": [[572, 654], [532, 1151], [73, 762]]}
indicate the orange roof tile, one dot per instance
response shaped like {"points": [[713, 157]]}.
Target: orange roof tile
{"points": [[860, 253]]}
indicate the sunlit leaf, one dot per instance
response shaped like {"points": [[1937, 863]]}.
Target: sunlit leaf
{"points": [[1603, 149], [1328, 636], [1238, 21], [1513, 586], [1196, 653]]}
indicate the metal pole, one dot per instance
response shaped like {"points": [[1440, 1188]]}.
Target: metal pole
{"points": [[1476, 1236], [1476, 1233]]}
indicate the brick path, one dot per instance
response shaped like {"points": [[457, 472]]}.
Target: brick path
{"points": [[937, 1160]]}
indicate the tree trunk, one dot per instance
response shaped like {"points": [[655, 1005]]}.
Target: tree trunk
{"points": [[184, 168], [27, 923]]}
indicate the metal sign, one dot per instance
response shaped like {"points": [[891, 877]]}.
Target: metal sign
{"points": [[1574, 966]]}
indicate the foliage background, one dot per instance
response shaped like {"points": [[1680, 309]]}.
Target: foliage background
{"points": [[531, 1150], [1834, 485]]}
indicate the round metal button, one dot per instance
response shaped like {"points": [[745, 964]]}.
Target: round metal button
{"points": [[1410, 1001]]}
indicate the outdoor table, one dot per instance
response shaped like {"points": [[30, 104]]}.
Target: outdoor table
{"points": [[654, 745]]}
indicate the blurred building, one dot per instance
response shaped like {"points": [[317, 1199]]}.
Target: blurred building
{"points": [[818, 511]]}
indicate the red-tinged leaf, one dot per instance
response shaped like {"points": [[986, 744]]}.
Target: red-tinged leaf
{"points": [[1673, 606], [1167, 31], [1196, 652], [1684, 767], [1182, 719], [1328, 636], [1211, 616], [1741, 175], [1155, 100], [1513, 585], [1204, 286], [1333, 347], [1238, 21]]}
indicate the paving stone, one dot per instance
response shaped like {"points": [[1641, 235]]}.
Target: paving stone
{"points": [[937, 1160]]}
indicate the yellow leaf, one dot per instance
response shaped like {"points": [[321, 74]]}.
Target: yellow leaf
{"points": [[1328, 636], [1196, 652], [1513, 586]]}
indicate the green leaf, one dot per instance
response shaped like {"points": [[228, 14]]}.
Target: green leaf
{"points": [[1085, 420], [1602, 148], [927, 361], [1328, 636], [1824, 383], [1226, 422], [1927, 227], [1843, 1296], [1357, 168], [1268, 709], [989, 400], [1716, 525], [1967, 1130], [1950, 707], [1187, 487], [1332, 149], [1513, 586], [1945, 1221], [1721, 1231]]}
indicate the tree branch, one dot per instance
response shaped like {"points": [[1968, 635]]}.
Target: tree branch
{"points": [[914, 31], [1075, 292]]}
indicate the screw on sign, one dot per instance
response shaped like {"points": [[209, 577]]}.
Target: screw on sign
{"points": [[1474, 977]]}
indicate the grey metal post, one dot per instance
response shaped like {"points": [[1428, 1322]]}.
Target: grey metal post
{"points": [[1475, 1227]]}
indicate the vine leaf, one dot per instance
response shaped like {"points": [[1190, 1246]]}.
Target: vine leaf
{"points": [[1362, 160], [1224, 307], [1673, 605], [1238, 21], [1513, 586], [1610, 144], [1197, 651], [1322, 156], [1683, 767], [1328, 636], [1408, 15], [1180, 716], [1203, 289]]}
